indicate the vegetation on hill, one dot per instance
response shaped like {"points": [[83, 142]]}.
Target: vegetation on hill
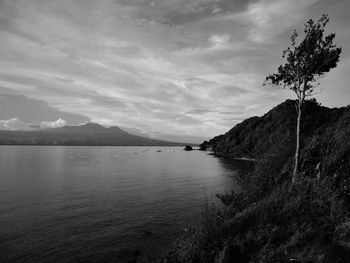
{"points": [[258, 136], [273, 220]]}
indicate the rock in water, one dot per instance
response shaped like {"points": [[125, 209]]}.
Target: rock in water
{"points": [[188, 148]]}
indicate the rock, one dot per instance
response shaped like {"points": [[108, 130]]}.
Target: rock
{"points": [[232, 254], [188, 148]]}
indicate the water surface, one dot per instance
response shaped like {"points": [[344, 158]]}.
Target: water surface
{"points": [[101, 204]]}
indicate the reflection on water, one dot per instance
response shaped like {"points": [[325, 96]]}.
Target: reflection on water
{"points": [[74, 204]]}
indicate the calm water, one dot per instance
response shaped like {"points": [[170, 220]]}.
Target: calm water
{"points": [[95, 204]]}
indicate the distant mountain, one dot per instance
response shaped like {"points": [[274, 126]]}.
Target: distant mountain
{"points": [[90, 134], [277, 128]]}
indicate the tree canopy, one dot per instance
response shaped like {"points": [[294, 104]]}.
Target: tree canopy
{"points": [[307, 61]]}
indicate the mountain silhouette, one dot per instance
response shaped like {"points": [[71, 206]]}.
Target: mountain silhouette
{"points": [[89, 134]]}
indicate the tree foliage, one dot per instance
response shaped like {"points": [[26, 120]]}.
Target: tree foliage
{"points": [[315, 55], [306, 63]]}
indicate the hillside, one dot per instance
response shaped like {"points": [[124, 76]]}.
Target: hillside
{"points": [[90, 134], [258, 135], [273, 219]]}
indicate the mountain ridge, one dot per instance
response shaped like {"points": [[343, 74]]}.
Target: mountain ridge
{"points": [[89, 134]]}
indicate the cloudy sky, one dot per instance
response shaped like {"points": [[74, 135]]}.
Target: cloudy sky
{"points": [[179, 69]]}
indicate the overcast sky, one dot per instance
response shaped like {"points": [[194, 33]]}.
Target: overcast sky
{"points": [[167, 68]]}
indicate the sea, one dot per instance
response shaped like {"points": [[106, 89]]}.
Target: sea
{"points": [[103, 204]]}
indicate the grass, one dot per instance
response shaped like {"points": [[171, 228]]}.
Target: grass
{"points": [[273, 220]]}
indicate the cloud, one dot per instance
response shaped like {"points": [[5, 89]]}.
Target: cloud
{"points": [[53, 124], [14, 124], [168, 66], [199, 111], [18, 124], [272, 17], [33, 111], [219, 39]]}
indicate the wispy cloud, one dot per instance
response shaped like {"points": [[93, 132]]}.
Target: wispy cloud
{"points": [[168, 66], [273, 17]]}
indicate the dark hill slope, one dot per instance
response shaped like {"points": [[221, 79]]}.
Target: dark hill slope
{"points": [[256, 135], [273, 219]]}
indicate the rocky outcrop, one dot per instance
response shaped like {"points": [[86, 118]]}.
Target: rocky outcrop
{"points": [[188, 148]]}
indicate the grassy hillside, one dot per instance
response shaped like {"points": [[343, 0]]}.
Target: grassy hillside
{"points": [[272, 220]]}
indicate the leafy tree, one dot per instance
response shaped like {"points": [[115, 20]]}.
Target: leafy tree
{"points": [[305, 63]]}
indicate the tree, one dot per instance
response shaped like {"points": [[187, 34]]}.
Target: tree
{"points": [[305, 64]]}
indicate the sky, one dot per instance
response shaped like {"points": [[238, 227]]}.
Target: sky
{"points": [[183, 70]]}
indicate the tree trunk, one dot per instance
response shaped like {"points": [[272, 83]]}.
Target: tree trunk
{"points": [[296, 160]]}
